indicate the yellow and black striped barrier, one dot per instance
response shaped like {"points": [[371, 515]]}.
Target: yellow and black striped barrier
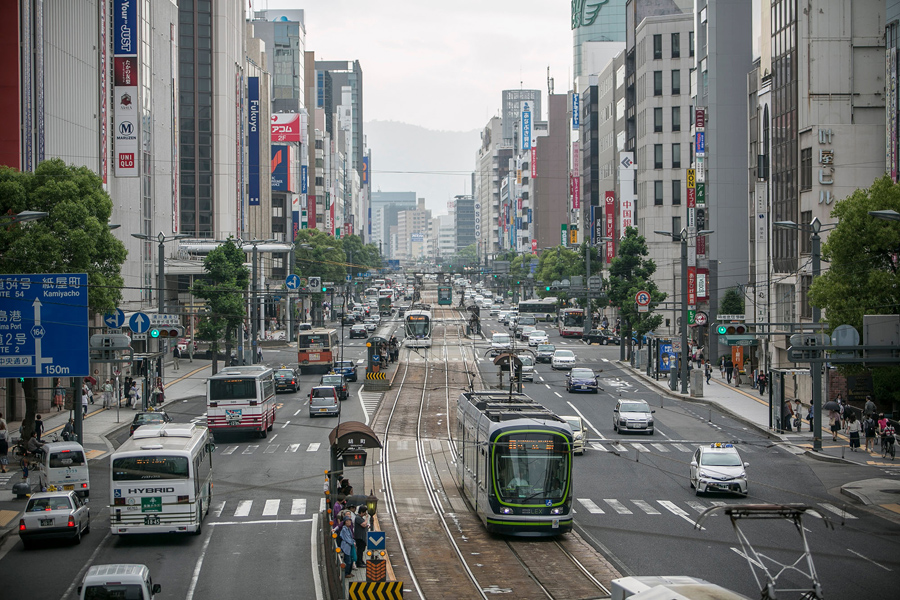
{"points": [[381, 590], [376, 570], [379, 375]]}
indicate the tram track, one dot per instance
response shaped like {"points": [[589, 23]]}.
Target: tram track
{"points": [[447, 552]]}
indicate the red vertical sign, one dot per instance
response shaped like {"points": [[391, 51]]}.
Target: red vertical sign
{"points": [[610, 213], [701, 245], [576, 192], [691, 198], [533, 162], [533, 246], [692, 286]]}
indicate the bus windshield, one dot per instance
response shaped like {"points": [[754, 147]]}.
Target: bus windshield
{"points": [[232, 389], [149, 467], [312, 340], [531, 467], [573, 319]]}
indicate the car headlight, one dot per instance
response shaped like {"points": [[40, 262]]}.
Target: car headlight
{"points": [[578, 436], [703, 474]]}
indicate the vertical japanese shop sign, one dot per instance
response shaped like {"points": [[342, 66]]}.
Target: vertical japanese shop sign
{"points": [[125, 82], [253, 140]]}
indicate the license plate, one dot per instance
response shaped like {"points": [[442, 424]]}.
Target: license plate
{"points": [[636, 426], [68, 487], [234, 422], [151, 520], [46, 522], [582, 387], [323, 410], [313, 357]]}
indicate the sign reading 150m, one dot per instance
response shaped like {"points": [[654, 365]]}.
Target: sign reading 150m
{"points": [[44, 325]]}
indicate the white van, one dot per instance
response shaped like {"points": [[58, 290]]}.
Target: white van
{"points": [[66, 468], [118, 581], [500, 343]]}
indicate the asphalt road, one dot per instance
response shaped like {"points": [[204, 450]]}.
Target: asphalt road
{"points": [[634, 502]]}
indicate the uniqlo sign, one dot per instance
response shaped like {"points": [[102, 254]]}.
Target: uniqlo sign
{"points": [[126, 160]]}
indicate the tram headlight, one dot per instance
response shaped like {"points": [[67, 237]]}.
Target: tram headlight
{"points": [[506, 510], [556, 511]]}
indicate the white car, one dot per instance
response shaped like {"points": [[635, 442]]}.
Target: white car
{"points": [[718, 468], [538, 336], [527, 367], [376, 317], [500, 343], [579, 432], [632, 415], [562, 359]]}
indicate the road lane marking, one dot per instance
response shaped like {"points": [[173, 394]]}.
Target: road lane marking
{"points": [[262, 522], [646, 507], [591, 506], [229, 450], [270, 449], [249, 449], [243, 508], [557, 393], [620, 448], [681, 447], [298, 412], [839, 512], [219, 508], [196, 575], [583, 418], [298, 506], [547, 385], [271, 508], [321, 504], [660, 447], [605, 360], [678, 512], [640, 447], [617, 506], [272, 439], [285, 424], [868, 559], [698, 506], [292, 448], [313, 447]]}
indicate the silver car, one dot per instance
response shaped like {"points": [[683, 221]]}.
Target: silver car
{"points": [[54, 515], [632, 415], [718, 468]]}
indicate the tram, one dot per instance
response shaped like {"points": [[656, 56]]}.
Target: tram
{"points": [[514, 458], [417, 326], [445, 294]]}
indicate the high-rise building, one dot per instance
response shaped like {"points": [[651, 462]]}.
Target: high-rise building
{"points": [[387, 205], [549, 205], [331, 77], [595, 21], [467, 229], [284, 33]]}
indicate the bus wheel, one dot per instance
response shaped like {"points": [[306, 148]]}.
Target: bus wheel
{"points": [[263, 434], [271, 426], [199, 529]]}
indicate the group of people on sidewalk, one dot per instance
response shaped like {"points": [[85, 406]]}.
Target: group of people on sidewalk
{"points": [[873, 428], [351, 525]]}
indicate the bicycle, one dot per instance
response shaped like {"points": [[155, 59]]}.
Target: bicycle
{"points": [[887, 446]]}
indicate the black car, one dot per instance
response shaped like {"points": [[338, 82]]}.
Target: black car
{"points": [[150, 417], [600, 336], [360, 331], [338, 382], [348, 319], [286, 379], [347, 368]]}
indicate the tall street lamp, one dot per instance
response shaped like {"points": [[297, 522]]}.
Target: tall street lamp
{"points": [[254, 319], [886, 215], [26, 215], [683, 237], [587, 282]]}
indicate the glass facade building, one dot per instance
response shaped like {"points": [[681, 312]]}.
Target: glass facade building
{"points": [[596, 21], [785, 157]]}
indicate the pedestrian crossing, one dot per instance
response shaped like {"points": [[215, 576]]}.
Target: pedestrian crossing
{"points": [[688, 510], [661, 447], [270, 507], [267, 449]]}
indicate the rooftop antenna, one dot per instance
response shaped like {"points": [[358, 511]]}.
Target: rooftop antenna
{"points": [[549, 82]]}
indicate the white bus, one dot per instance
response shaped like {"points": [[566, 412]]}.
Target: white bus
{"points": [[241, 399], [161, 480], [542, 309]]}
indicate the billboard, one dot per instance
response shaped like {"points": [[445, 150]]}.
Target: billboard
{"points": [[417, 237], [526, 126], [304, 179], [125, 88], [286, 127], [576, 111], [253, 140], [610, 213], [281, 169]]}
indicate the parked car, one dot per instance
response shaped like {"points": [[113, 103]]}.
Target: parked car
{"points": [[562, 359], [538, 336], [54, 515], [323, 401], [154, 417], [632, 415], [583, 380], [598, 336], [286, 379], [338, 382], [359, 331], [718, 468], [579, 432], [347, 368], [545, 352]]}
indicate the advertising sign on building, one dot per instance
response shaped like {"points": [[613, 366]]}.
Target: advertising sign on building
{"points": [[417, 237], [253, 141], [564, 234], [281, 170], [702, 288], [701, 246], [365, 170], [533, 246], [692, 287], [304, 179], [610, 212], [700, 118], [533, 162], [125, 88], [576, 192], [295, 215], [626, 214], [576, 111], [700, 143], [701, 194], [526, 125], [576, 161], [286, 127]]}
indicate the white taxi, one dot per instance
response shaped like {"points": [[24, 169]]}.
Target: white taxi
{"points": [[718, 468], [562, 359]]}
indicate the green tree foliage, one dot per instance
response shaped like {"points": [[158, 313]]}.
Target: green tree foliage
{"points": [[360, 257], [732, 302], [74, 237], [223, 289], [864, 278], [324, 258], [629, 273], [557, 264]]}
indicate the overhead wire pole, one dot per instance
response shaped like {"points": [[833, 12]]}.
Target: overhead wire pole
{"points": [[254, 306]]}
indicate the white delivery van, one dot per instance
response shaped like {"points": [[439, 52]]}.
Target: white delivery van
{"points": [[66, 468], [118, 581]]}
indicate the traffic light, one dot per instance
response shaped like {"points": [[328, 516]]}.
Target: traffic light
{"points": [[169, 331], [547, 288], [721, 328]]}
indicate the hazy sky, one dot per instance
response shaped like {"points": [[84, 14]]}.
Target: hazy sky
{"points": [[441, 65]]}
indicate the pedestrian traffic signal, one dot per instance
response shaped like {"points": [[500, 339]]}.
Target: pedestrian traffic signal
{"points": [[170, 331]]}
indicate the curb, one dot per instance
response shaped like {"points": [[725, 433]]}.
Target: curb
{"points": [[859, 497], [830, 459]]}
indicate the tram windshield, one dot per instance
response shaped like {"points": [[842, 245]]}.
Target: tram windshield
{"points": [[531, 467], [418, 326]]}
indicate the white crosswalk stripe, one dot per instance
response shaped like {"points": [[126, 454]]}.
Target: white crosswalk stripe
{"points": [[243, 508], [591, 506], [298, 506], [600, 447], [660, 447], [640, 447], [271, 508], [840, 512], [681, 448], [229, 450], [617, 506], [698, 506], [250, 449], [646, 507], [313, 447], [676, 510], [271, 448], [292, 448]]}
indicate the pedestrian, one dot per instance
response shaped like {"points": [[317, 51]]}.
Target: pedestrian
{"points": [[347, 546], [4, 444], [360, 529], [722, 367], [59, 397], [882, 423], [853, 429], [870, 429], [729, 370], [86, 392], [336, 513], [176, 358], [761, 381], [134, 396], [259, 354], [834, 421], [159, 392], [708, 371], [39, 426], [737, 376], [869, 409], [68, 433], [107, 393], [787, 415], [798, 415]]}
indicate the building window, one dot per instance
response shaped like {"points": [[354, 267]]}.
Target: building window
{"points": [[691, 43], [657, 83], [657, 47], [676, 156], [806, 240], [676, 118], [676, 192], [658, 193], [805, 306], [657, 156], [676, 45], [806, 169], [676, 229], [657, 119], [676, 82]]}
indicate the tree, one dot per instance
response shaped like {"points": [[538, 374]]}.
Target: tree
{"points": [[324, 258], [732, 302], [223, 289], [864, 277], [630, 273], [360, 257], [74, 237], [556, 265]]}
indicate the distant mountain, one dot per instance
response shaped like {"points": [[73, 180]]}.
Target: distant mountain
{"points": [[437, 165]]}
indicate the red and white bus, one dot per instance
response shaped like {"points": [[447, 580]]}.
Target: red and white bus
{"points": [[571, 322], [317, 349], [241, 399]]}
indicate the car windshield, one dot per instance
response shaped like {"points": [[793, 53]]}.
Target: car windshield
{"points": [[323, 393], [574, 423], [720, 459], [526, 360], [500, 338], [149, 418], [587, 373], [54, 503], [634, 407], [344, 364], [108, 591], [565, 354], [284, 373], [332, 380], [546, 348], [538, 332]]}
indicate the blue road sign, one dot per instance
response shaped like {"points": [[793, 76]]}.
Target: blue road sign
{"points": [[139, 322], [368, 274], [292, 281], [44, 325], [349, 278], [375, 540], [114, 320]]}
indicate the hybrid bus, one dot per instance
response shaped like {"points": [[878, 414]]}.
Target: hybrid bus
{"points": [[417, 326], [317, 349], [542, 309], [161, 480], [241, 399], [571, 322]]}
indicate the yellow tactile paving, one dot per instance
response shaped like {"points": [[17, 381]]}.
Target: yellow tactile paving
{"points": [[92, 454], [892, 507], [6, 516]]}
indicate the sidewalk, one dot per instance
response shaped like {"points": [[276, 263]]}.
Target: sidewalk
{"points": [[747, 406]]}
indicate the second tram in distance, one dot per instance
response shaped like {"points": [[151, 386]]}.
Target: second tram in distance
{"points": [[445, 294], [514, 458]]}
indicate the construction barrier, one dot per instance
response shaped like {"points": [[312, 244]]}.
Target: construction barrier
{"points": [[379, 375], [382, 590]]}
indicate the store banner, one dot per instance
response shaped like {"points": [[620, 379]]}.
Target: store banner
{"points": [[253, 141], [576, 192], [610, 212], [692, 287]]}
